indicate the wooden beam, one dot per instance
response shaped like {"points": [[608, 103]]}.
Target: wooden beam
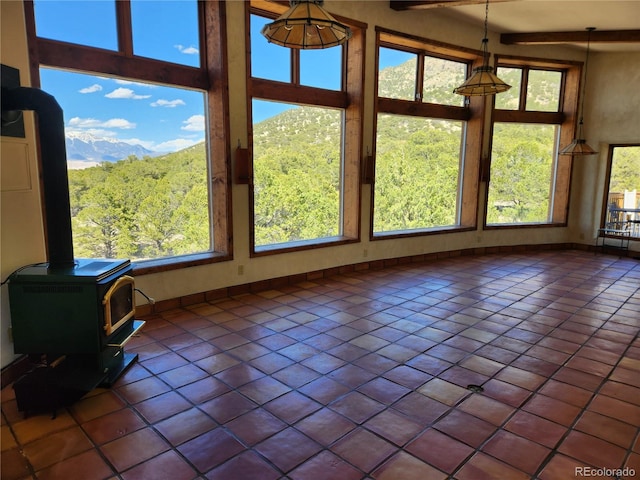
{"points": [[541, 38], [426, 4]]}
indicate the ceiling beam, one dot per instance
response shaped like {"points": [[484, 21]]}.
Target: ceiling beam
{"points": [[426, 4], [542, 38]]}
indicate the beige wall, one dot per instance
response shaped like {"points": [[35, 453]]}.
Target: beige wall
{"points": [[22, 231]]}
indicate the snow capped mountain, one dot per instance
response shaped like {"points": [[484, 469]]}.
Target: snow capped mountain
{"points": [[86, 150]]}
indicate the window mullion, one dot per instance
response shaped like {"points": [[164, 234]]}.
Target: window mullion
{"points": [[125, 31]]}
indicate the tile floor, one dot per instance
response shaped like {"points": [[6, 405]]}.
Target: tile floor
{"points": [[367, 375]]}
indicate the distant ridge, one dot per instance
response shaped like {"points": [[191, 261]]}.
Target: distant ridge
{"points": [[83, 147]]}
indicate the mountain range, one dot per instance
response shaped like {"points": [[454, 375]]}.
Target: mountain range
{"points": [[86, 150]]}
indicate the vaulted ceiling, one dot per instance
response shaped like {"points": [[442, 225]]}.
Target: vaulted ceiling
{"points": [[617, 23]]}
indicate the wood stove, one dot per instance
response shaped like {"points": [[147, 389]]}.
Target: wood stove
{"points": [[73, 315]]}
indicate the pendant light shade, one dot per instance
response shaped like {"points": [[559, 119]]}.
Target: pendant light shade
{"points": [[579, 146], [483, 81], [306, 25]]}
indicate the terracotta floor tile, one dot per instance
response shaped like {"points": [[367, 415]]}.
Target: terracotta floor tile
{"points": [[516, 451], [439, 450], [561, 466], [357, 407], [485, 467], [429, 364], [443, 391], [505, 392], [288, 449], [228, 406], [606, 428], [203, 390], [86, 466], [246, 465], [185, 425], [292, 406], [166, 465], [394, 427], [487, 409], [255, 426], [351, 375], [402, 465], [210, 449], [37, 426], [535, 428], [94, 406], [465, 427], [592, 450], [324, 390], [143, 389], [521, 378], [264, 389], [621, 391], [407, 376], [612, 407], [552, 409], [296, 375], [463, 377], [325, 466], [56, 447], [14, 465], [421, 408], [162, 406], [134, 448], [567, 393], [383, 390], [627, 376], [325, 426], [363, 449], [113, 425]]}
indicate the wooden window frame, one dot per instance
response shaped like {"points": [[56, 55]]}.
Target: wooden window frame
{"points": [[472, 113], [607, 184], [566, 118], [350, 100], [210, 77]]}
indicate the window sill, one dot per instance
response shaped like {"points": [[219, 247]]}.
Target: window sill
{"points": [[145, 267], [288, 247]]}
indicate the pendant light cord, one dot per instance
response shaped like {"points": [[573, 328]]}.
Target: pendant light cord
{"points": [[586, 71], [485, 40]]}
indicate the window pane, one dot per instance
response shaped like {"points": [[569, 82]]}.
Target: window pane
{"points": [[623, 203], [397, 74], [509, 100], [178, 22], [268, 60], [543, 91], [297, 171], [137, 164], [321, 68], [440, 78], [88, 23], [417, 173], [522, 169]]}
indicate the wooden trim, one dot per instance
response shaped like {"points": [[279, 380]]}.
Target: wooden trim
{"points": [[548, 38], [402, 5], [285, 92], [124, 27], [416, 43], [420, 109], [519, 116]]}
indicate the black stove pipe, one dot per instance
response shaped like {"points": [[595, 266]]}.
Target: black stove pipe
{"points": [[54, 168]]}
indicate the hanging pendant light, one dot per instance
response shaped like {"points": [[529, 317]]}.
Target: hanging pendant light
{"points": [[483, 81], [579, 146], [306, 25]]}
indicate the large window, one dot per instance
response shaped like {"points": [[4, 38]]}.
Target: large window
{"points": [[622, 196], [423, 182], [528, 181], [137, 110], [306, 118]]}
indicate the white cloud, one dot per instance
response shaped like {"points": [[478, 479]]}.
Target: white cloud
{"points": [[167, 103], [137, 84], [93, 88], [80, 164], [175, 145], [148, 144], [191, 50], [85, 123], [125, 93], [194, 123]]}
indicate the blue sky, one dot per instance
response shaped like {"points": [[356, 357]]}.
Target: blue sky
{"points": [[160, 118]]}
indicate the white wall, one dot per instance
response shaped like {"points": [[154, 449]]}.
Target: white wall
{"points": [[21, 215]]}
